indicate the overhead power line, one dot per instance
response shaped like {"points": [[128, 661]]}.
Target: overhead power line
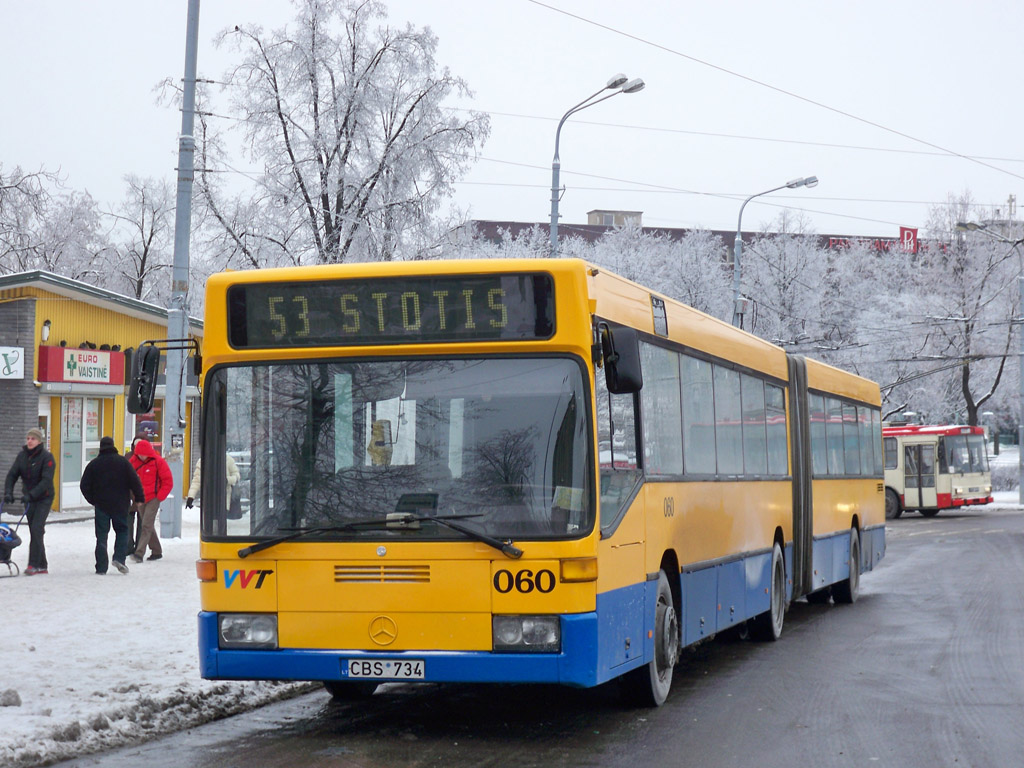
{"points": [[714, 135], [777, 89]]}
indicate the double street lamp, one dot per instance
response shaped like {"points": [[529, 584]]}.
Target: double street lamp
{"points": [[973, 226], [617, 84], [739, 304]]}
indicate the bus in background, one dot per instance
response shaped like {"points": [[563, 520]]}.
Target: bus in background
{"points": [[931, 468], [512, 471]]}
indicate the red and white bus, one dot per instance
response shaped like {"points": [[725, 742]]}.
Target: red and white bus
{"points": [[931, 468]]}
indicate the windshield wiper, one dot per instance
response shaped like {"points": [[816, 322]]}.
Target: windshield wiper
{"points": [[394, 520], [260, 546], [412, 520], [506, 547]]}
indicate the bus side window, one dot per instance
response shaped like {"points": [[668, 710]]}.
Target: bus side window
{"points": [[891, 453], [616, 449]]}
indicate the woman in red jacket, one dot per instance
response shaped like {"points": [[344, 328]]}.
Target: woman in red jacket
{"points": [[157, 482]]}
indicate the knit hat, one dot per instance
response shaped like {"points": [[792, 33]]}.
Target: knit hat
{"points": [[36, 433], [107, 442]]}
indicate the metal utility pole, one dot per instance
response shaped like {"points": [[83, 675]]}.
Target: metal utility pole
{"points": [[739, 304], [177, 312], [617, 84], [1020, 427]]}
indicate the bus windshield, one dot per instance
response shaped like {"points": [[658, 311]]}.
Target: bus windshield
{"points": [[959, 454], [500, 444]]}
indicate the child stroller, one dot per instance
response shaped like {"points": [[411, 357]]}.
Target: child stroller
{"points": [[9, 539]]}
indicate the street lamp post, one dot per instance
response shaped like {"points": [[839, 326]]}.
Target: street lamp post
{"points": [[973, 226], [738, 304], [617, 84]]}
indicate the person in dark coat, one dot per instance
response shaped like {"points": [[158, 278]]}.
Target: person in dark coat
{"points": [[35, 466], [134, 517], [111, 485]]}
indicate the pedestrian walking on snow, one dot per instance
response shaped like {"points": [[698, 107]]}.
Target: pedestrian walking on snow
{"points": [[35, 466], [231, 500], [112, 486], [157, 484]]}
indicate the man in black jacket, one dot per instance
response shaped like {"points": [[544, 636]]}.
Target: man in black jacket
{"points": [[35, 466], [110, 484]]}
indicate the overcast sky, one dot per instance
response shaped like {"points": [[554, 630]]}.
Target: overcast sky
{"points": [[870, 96]]}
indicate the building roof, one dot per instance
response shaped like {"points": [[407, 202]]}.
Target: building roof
{"points": [[76, 289], [491, 230]]}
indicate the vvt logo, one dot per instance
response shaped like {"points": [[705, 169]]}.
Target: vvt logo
{"points": [[244, 578]]}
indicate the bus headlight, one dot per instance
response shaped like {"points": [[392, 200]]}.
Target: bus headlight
{"points": [[527, 634], [958, 491], [247, 630]]}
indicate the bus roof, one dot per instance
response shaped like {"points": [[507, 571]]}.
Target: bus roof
{"points": [[934, 429]]}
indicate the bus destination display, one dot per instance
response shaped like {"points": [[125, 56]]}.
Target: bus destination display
{"points": [[393, 310]]}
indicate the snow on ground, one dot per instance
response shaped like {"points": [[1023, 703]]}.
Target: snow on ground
{"points": [[103, 661]]}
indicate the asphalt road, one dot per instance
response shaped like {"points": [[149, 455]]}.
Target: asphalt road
{"points": [[925, 670]]}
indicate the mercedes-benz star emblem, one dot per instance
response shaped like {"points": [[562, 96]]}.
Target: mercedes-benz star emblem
{"points": [[383, 630], [382, 550]]}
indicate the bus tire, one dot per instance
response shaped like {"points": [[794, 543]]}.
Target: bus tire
{"points": [[768, 625], [892, 505], [929, 512], [344, 691], [649, 685], [846, 591]]}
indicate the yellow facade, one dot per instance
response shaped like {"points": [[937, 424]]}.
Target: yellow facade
{"points": [[69, 314]]}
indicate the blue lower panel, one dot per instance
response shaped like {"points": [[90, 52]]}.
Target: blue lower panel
{"points": [[700, 604], [722, 595], [830, 560], [622, 635], [872, 547], [575, 665]]}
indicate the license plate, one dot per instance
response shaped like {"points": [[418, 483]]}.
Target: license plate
{"points": [[386, 669], [973, 490]]}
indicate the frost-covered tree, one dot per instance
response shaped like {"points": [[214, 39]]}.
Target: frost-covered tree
{"points": [[23, 198], [700, 274], [784, 274], [967, 289], [42, 226], [142, 239], [346, 117]]}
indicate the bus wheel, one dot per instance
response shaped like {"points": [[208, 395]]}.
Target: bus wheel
{"points": [[846, 591], [892, 505], [768, 625], [649, 685], [929, 512], [342, 691]]}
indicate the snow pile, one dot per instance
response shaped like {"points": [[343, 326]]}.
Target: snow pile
{"points": [[91, 662]]}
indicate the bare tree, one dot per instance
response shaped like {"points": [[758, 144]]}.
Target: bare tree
{"points": [[44, 227], [346, 119], [143, 238]]}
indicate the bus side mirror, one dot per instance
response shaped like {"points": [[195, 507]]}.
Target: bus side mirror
{"points": [[621, 348], [142, 387]]}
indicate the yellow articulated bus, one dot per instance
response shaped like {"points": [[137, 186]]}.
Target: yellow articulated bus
{"points": [[512, 471]]}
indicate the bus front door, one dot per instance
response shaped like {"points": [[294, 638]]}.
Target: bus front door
{"points": [[919, 476]]}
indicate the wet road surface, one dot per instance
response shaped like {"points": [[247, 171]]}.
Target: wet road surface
{"points": [[925, 670]]}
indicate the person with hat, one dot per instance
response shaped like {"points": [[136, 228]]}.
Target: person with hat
{"points": [[112, 486], [35, 466], [157, 482]]}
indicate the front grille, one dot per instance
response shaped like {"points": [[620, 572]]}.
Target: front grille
{"points": [[381, 574]]}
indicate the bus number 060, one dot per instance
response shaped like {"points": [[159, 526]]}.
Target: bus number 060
{"points": [[524, 581]]}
